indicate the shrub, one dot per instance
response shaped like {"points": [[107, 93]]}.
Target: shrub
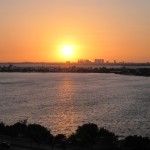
{"points": [[137, 142], [85, 135]]}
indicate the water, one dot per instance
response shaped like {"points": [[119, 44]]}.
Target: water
{"points": [[63, 101]]}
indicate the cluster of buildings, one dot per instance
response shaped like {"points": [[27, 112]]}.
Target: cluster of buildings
{"points": [[97, 61]]}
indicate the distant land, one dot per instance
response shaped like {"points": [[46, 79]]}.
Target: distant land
{"points": [[136, 69], [68, 63]]}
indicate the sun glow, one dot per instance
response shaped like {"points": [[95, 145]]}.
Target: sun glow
{"points": [[67, 50]]}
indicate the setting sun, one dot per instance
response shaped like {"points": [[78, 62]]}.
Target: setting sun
{"points": [[67, 50]]}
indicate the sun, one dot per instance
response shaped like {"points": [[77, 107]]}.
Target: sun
{"points": [[67, 50]]}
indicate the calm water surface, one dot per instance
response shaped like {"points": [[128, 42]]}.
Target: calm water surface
{"points": [[62, 101]]}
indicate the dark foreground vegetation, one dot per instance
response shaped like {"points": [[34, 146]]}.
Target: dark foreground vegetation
{"points": [[87, 136], [73, 69]]}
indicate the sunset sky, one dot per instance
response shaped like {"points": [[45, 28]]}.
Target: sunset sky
{"points": [[38, 30]]}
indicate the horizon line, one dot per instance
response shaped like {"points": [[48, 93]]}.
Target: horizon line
{"points": [[67, 62]]}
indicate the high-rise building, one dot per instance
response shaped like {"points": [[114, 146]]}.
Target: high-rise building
{"points": [[99, 61], [84, 61]]}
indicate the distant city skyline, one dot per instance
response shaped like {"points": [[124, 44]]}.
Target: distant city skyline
{"points": [[94, 60], [67, 30]]}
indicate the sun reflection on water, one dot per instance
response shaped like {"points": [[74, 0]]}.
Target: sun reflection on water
{"points": [[66, 116]]}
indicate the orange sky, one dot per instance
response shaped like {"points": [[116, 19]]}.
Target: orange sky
{"points": [[34, 30]]}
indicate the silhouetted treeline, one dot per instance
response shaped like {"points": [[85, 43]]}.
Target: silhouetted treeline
{"points": [[34, 132], [87, 136], [74, 69]]}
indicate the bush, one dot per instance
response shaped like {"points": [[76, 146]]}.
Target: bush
{"points": [[85, 135], [2, 128], [107, 136], [59, 138], [137, 142], [38, 133], [18, 129]]}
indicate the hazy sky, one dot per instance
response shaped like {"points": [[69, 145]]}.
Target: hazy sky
{"points": [[34, 30]]}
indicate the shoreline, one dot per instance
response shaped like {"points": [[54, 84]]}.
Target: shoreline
{"points": [[73, 69]]}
